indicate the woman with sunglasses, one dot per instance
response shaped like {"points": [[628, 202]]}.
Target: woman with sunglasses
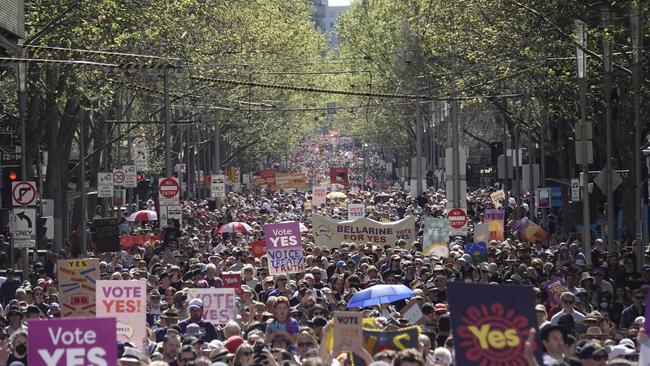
{"points": [[305, 343], [243, 355]]}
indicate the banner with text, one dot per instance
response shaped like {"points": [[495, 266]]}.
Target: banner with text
{"points": [[127, 302], [218, 303], [63, 342], [495, 217], [530, 230], [330, 233], [436, 236], [284, 247], [488, 326], [77, 278], [289, 181], [356, 211], [347, 329], [319, 196]]}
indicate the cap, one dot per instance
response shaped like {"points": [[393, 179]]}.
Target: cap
{"points": [[196, 304], [233, 343], [588, 348], [340, 264], [540, 307]]}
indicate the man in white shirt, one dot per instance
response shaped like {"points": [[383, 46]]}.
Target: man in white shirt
{"points": [[567, 300]]}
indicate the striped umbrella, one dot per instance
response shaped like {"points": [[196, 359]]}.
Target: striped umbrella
{"points": [[143, 215], [235, 227]]}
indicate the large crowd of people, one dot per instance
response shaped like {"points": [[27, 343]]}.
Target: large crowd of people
{"points": [[596, 319]]}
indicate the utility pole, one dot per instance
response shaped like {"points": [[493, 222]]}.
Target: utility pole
{"points": [[607, 88], [82, 174], [168, 125], [636, 25], [418, 148], [455, 153], [516, 189], [581, 35]]}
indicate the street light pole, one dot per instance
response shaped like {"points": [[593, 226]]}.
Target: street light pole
{"points": [[168, 126], [607, 89], [418, 149], [22, 106], [581, 35], [637, 42]]}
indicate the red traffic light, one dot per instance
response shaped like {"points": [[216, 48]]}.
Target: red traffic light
{"points": [[140, 177], [12, 176]]}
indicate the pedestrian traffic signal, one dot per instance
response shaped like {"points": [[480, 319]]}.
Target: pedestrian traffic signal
{"points": [[10, 174]]}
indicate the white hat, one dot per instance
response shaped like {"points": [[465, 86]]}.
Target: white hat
{"points": [[620, 351], [441, 357], [196, 303]]}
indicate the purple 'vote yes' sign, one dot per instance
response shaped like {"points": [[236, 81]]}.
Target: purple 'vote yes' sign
{"points": [[82, 342]]}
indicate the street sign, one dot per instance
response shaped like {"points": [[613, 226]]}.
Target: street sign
{"points": [[23, 193], [601, 177], [119, 176], [24, 223], [130, 176], [457, 221], [105, 185], [218, 186], [140, 159], [171, 212], [575, 190], [168, 189]]}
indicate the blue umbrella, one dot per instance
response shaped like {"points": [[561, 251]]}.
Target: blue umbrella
{"points": [[380, 294]]}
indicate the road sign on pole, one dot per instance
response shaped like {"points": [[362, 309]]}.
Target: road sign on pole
{"points": [[171, 212], [119, 176], [218, 186], [24, 220], [105, 185], [457, 221], [130, 176], [23, 193], [168, 191]]}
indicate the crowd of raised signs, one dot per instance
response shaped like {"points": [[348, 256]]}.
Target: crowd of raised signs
{"points": [[196, 296]]}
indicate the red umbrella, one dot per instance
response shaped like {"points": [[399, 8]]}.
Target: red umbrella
{"points": [[235, 227], [143, 215]]}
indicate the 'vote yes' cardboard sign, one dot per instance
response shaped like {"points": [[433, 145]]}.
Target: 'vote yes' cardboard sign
{"points": [[490, 324], [127, 302], [284, 247], [83, 341]]}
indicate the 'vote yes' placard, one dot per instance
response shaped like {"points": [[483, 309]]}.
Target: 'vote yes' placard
{"points": [[127, 302], [284, 247], [83, 341]]}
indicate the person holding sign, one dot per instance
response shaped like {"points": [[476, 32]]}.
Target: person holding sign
{"points": [[196, 317]]}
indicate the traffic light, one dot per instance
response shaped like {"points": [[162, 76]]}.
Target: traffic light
{"points": [[10, 174]]}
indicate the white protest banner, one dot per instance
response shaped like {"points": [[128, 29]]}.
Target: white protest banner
{"points": [[497, 197], [330, 233], [356, 211], [284, 247], [218, 303], [127, 302], [319, 196], [347, 330]]}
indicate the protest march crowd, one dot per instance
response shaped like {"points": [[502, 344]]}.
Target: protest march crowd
{"points": [[279, 278]]}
